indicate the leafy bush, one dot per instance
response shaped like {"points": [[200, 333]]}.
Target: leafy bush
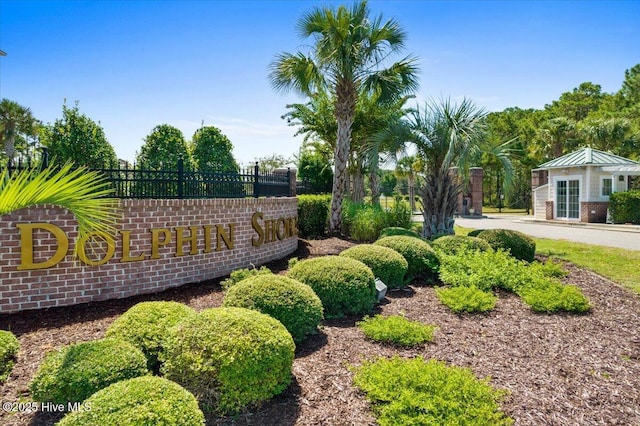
{"points": [[452, 244], [140, 401], [520, 245], [289, 301], [9, 347], [422, 259], [385, 263], [313, 215], [363, 222], [551, 296], [397, 330], [624, 207], [396, 230], [242, 274], [475, 232], [467, 299], [74, 372], [345, 286], [550, 269], [229, 358], [399, 216], [145, 326], [532, 282], [484, 270], [419, 392]]}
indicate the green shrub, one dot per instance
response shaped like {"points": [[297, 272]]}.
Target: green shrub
{"points": [[363, 222], [400, 215], [466, 299], [385, 263], [229, 358], [422, 259], [485, 270], [242, 274], [345, 286], [313, 215], [419, 392], [145, 326], [520, 245], [475, 232], [74, 372], [135, 402], [550, 268], [396, 230], [9, 347], [551, 296], [452, 244], [289, 301], [624, 207], [396, 330]]}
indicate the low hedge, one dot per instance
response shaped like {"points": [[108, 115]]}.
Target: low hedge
{"points": [[146, 324], [229, 358], [345, 286], [422, 259], [9, 347], [289, 301], [452, 244], [419, 392], [385, 263], [467, 299], [242, 274], [140, 401], [396, 230], [520, 245], [396, 330], [313, 215], [74, 372]]}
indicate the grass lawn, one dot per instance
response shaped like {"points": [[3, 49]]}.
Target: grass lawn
{"points": [[616, 264]]}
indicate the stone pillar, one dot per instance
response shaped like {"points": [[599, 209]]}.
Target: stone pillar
{"points": [[476, 174], [548, 210]]}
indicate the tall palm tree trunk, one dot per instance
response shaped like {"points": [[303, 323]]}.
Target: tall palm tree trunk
{"points": [[439, 196], [340, 158]]}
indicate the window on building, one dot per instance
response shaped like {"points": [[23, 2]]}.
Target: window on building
{"points": [[606, 187]]}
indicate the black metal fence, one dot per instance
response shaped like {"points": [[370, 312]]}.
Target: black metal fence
{"points": [[186, 183]]}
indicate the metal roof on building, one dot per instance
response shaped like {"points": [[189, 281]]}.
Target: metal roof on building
{"points": [[587, 157]]}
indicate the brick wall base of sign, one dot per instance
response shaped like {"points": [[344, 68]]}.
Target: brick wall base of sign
{"points": [[160, 244], [593, 211]]}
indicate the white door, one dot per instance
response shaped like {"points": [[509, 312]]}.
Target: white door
{"points": [[568, 199]]}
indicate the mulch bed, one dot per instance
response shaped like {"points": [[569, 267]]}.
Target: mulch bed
{"points": [[560, 369]]}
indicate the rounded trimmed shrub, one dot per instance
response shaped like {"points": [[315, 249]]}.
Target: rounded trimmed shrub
{"points": [[345, 286], [520, 245], [453, 244], [145, 326], [229, 358], [140, 401], [74, 372], [289, 301], [474, 233], [385, 263], [396, 230], [422, 259], [9, 347], [242, 274]]}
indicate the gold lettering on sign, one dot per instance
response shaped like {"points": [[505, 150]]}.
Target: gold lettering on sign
{"points": [[181, 238], [26, 245], [126, 249], [272, 230], [91, 238], [156, 243]]}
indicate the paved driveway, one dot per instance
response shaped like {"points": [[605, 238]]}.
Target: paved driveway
{"points": [[622, 236]]}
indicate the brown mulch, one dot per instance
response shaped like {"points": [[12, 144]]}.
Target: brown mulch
{"points": [[560, 369]]}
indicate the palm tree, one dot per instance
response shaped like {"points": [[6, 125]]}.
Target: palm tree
{"points": [[448, 138], [557, 136], [14, 119], [408, 168], [347, 60], [78, 190]]}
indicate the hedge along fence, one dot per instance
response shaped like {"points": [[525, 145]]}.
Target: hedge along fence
{"points": [[625, 207], [160, 244]]}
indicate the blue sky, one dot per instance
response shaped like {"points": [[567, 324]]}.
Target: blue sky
{"points": [[135, 64]]}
